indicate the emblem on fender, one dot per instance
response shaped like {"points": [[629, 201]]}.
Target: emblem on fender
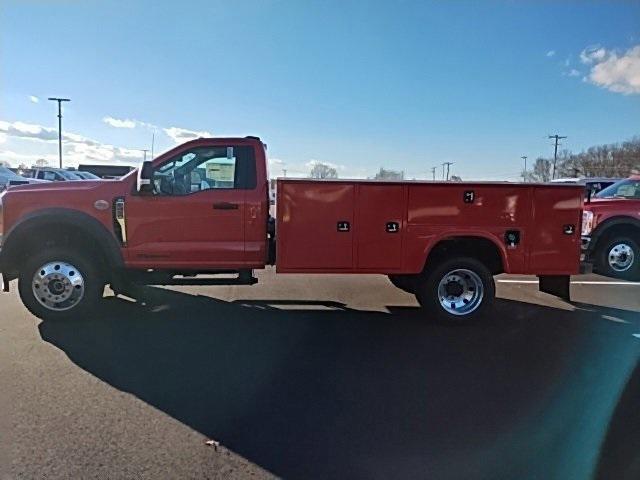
{"points": [[101, 204]]}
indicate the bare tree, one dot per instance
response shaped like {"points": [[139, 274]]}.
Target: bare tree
{"points": [[541, 171], [615, 160], [41, 162], [455, 178], [4, 163], [322, 170], [385, 174]]}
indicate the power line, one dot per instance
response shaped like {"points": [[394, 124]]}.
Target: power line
{"points": [[555, 152], [59, 100]]}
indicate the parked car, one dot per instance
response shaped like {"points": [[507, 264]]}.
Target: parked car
{"points": [[611, 230], [202, 208], [55, 174], [8, 178]]}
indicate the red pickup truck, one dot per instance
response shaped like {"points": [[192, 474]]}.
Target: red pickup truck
{"points": [[202, 209], [611, 230]]}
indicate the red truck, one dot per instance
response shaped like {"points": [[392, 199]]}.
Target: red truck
{"points": [[202, 209], [611, 230]]}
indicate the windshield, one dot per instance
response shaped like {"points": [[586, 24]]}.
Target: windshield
{"points": [[628, 188], [69, 175], [9, 174], [87, 175]]}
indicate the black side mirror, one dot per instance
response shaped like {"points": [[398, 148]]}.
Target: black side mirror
{"points": [[145, 178]]}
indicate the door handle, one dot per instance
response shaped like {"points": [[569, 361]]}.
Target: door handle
{"points": [[225, 206]]}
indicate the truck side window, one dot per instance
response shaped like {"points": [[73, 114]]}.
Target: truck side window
{"points": [[206, 168]]}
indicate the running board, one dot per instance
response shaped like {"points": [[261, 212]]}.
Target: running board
{"points": [[244, 277], [209, 281]]}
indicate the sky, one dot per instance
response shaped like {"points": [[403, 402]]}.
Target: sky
{"points": [[359, 85]]}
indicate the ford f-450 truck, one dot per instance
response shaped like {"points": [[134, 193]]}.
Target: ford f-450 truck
{"points": [[202, 209], [611, 230]]}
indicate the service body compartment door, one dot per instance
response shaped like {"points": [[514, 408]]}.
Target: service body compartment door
{"points": [[555, 242], [379, 226], [314, 226]]}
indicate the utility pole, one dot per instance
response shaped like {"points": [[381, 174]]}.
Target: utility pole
{"points": [[144, 151], [433, 172], [284, 172], [59, 100], [448, 164], [524, 173], [555, 152]]}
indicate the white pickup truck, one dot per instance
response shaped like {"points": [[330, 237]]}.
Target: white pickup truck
{"points": [[8, 178]]}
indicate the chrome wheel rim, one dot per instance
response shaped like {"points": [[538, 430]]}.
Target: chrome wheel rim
{"points": [[621, 257], [460, 292], [58, 286]]}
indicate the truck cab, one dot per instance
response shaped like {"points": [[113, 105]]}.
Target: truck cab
{"points": [[611, 230]]}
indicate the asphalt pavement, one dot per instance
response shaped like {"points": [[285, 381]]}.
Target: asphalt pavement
{"points": [[314, 376]]}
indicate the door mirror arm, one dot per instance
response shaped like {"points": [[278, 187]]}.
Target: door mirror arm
{"points": [[144, 184]]}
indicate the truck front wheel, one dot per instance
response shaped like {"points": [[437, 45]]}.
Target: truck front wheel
{"points": [[58, 283], [456, 290], [619, 257]]}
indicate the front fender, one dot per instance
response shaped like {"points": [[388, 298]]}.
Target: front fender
{"points": [[34, 227]]}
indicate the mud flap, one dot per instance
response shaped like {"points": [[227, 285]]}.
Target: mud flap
{"points": [[558, 285]]}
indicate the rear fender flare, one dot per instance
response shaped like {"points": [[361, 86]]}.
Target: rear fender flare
{"points": [[461, 234]]}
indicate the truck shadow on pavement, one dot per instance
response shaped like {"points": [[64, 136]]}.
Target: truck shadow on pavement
{"points": [[316, 390]]}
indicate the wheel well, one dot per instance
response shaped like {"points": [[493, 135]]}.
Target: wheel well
{"points": [[61, 227], [618, 230], [59, 235], [480, 248]]}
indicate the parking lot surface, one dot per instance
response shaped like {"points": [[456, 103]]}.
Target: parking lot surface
{"points": [[323, 377]]}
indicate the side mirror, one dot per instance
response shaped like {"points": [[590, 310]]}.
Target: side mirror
{"points": [[145, 178]]}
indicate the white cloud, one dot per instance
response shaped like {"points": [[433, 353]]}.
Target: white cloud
{"points": [[28, 130], [616, 72], [573, 73], [591, 54], [118, 123], [76, 148], [33, 99], [551, 53], [180, 135]]}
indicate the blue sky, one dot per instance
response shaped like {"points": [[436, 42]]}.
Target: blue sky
{"points": [[404, 85]]}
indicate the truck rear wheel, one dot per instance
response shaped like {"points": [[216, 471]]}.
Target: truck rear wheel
{"points": [[58, 283], [457, 290], [619, 257]]}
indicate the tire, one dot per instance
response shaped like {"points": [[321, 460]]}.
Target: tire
{"points": [[469, 283], [406, 283], [68, 284], [619, 257]]}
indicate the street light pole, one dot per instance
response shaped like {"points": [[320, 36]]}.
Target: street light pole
{"points": [[524, 173], [59, 100]]}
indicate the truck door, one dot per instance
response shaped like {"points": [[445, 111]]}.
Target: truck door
{"points": [[195, 217], [379, 215]]}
